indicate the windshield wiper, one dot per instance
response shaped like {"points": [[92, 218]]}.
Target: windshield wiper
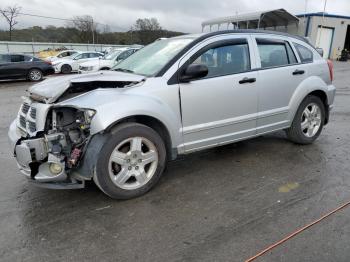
{"points": [[124, 70]]}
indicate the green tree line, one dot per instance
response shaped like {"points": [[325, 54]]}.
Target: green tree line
{"points": [[143, 32]]}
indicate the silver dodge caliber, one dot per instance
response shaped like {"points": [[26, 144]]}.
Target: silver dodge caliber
{"points": [[174, 96]]}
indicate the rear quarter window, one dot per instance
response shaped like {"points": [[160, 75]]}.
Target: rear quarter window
{"points": [[17, 58], [305, 54]]}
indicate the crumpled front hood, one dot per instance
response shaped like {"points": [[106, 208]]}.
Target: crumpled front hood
{"points": [[51, 89]]}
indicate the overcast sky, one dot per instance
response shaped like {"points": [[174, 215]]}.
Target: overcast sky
{"points": [[178, 15]]}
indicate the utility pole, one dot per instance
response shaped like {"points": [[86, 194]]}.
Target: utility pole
{"points": [[318, 40], [93, 32]]}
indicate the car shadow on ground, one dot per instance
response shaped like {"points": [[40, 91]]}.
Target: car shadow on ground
{"points": [[231, 160]]}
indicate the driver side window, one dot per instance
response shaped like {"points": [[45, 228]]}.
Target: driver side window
{"points": [[224, 59]]}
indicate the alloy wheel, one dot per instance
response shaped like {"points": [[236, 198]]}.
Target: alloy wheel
{"points": [[133, 163], [311, 120], [35, 75]]}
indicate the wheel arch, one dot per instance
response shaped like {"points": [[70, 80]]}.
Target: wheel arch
{"points": [[323, 96], [31, 68], [153, 123], [65, 64], [311, 86]]}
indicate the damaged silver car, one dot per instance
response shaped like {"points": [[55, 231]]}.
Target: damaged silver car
{"points": [[174, 96]]}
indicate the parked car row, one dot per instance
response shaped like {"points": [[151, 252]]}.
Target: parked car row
{"points": [[108, 61], [20, 66]]}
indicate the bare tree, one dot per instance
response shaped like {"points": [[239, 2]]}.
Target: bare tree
{"points": [[86, 27], [11, 13], [147, 30]]}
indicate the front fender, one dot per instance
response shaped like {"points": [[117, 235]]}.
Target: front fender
{"points": [[113, 106], [310, 84]]}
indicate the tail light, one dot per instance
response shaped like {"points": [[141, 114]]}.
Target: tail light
{"points": [[330, 66], [48, 62]]}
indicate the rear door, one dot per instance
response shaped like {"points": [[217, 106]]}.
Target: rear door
{"points": [[222, 106], [18, 67], [280, 73], [5, 65]]}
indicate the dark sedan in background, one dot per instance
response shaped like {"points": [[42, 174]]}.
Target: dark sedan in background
{"points": [[19, 66]]}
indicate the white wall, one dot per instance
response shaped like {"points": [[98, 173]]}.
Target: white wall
{"points": [[32, 48], [339, 31]]}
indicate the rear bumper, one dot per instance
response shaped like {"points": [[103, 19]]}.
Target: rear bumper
{"points": [[331, 95], [330, 99]]}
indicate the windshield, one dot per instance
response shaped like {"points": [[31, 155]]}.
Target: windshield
{"points": [[149, 60], [112, 55]]}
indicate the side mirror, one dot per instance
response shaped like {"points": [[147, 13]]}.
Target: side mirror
{"points": [[320, 51], [193, 72]]}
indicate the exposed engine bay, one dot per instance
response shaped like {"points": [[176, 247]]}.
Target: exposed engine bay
{"points": [[68, 132], [52, 154]]}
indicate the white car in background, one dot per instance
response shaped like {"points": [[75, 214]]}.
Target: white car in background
{"points": [[68, 65], [108, 61], [62, 54]]}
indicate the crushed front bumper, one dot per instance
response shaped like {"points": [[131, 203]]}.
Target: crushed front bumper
{"points": [[34, 160]]}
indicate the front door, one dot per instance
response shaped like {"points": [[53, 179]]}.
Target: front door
{"points": [[221, 107]]}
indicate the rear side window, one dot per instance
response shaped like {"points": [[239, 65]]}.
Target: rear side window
{"points": [[64, 54], [305, 54], [93, 55], [224, 59], [17, 58], [275, 53]]}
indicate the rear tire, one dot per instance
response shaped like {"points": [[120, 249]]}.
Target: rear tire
{"points": [[66, 69], [35, 75], [131, 162], [308, 121]]}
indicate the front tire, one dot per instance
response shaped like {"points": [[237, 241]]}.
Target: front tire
{"points": [[308, 121], [66, 69], [131, 162], [35, 75]]}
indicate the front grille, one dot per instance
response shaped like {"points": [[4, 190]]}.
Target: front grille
{"points": [[33, 113], [22, 122], [27, 119], [31, 126], [83, 68], [25, 108]]}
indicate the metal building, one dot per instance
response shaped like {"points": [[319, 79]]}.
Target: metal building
{"points": [[327, 31], [278, 19]]}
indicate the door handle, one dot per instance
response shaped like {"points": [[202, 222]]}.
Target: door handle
{"points": [[298, 72], [247, 80]]}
